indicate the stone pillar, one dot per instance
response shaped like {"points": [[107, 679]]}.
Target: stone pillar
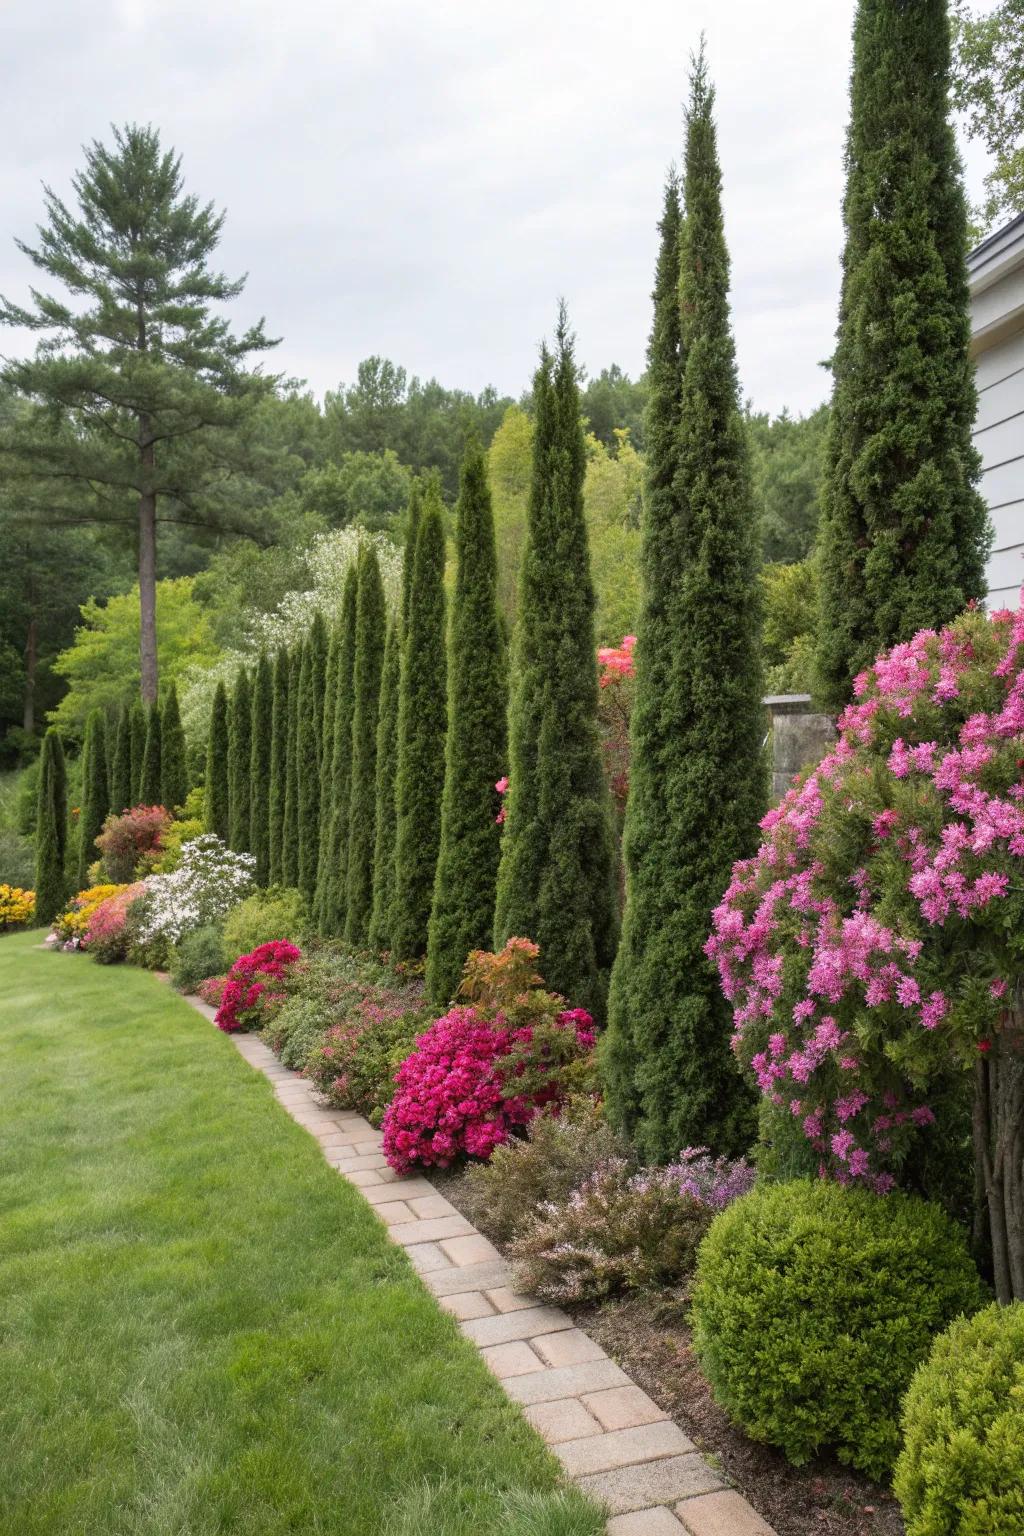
{"points": [[799, 737]]}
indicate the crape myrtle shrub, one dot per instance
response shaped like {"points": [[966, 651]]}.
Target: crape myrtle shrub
{"points": [[256, 985], [873, 946]]}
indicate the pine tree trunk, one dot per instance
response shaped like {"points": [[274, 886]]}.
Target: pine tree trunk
{"points": [[31, 664], [999, 1149], [147, 568]]}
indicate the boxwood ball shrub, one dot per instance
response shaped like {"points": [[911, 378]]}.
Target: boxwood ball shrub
{"points": [[814, 1304], [961, 1472]]}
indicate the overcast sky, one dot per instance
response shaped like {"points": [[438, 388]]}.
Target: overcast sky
{"points": [[423, 178]]}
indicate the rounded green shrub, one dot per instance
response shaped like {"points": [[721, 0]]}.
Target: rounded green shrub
{"points": [[279, 913], [196, 956], [961, 1472], [814, 1304]]}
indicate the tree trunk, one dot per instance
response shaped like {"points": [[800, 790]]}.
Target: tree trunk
{"points": [[999, 1149], [31, 665], [147, 568]]}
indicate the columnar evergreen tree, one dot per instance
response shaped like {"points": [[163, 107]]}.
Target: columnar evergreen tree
{"points": [[385, 826], [121, 763], [371, 623], [330, 703], [51, 829], [412, 528], [239, 753], [95, 794], [290, 834], [308, 746], [150, 779], [173, 761], [557, 876], [422, 725], [217, 791], [278, 767], [332, 870], [462, 915], [138, 747], [904, 533], [259, 768], [697, 773]]}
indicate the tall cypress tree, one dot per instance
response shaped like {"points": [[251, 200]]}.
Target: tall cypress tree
{"points": [[95, 794], [412, 527], [259, 768], [332, 868], [462, 915], [278, 767], [384, 806], [904, 533], [173, 763], [556, 877], [239, 753], [308, 740], [422, 726], [150, 780], [330, 704], [51, 829], [217, 792], [698, 781], [121, 763], [290, 832], [369, 662], [137, 744]]}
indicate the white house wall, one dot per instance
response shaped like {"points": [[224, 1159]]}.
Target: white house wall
{"points": [[996, 271]]}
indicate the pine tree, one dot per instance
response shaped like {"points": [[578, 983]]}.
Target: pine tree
{"points": [[384, 801], [462, 915], [422, 726], [278, 767], [173, 761], [697, 785], [51, 829], [217, 793], [369, 662], [332, 868], [150, 784], [904, 534], [308, 746], [121, 765], [556, 876], [290, 833], [95, 794], [259, 769], [138, 748], [239, 753]]}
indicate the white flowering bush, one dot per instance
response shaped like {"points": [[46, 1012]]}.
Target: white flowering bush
{"points": [[208, 882]]}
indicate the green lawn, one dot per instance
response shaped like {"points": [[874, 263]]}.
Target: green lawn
{"points": [[202, 1327]]}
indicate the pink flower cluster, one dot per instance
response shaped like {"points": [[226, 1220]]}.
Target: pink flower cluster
{"points": [[250, 989], [616, 661], [712, 1181], [865, 946]]}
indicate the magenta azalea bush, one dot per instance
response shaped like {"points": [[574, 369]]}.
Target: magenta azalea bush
{"points": [[255, 984], [875, 941]]}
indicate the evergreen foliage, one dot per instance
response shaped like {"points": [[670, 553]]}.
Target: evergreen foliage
{"points": [[290, 832], [557, 876], [174, 785], [308, 738], [138, 748], [330, 704], [259, 769], [51, 829], [697, 774], [422, 724], [278, 766], [385, 825], [904, 533], [371, 621], [95, 794], [332, 874], [412, 528], [121, 764], [239, 753], [217, 793], [151, 777], [462, 914]]}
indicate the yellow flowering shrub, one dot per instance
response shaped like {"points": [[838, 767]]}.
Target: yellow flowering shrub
{"points": [[16, 906], [74, 920]]}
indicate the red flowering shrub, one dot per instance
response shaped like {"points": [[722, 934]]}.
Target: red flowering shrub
{"points": [[255, 985], [131, 840], [616, 674], [486, 1068], [108, 935]]}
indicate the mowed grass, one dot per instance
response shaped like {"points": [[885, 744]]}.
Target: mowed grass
{"points": [[202, 1327]]}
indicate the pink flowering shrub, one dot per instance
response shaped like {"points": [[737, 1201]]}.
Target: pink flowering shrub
{"points": [[211, 990], [109, 934], [616, 674], [484, 1070], [255, 985], [354, 1062], [130, 843], [875, 941]]}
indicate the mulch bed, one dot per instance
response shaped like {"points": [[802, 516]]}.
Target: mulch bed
{"points": [[649, 1338]]}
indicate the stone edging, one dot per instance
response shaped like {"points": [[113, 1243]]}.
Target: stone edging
{"points": [[610, 1437]]}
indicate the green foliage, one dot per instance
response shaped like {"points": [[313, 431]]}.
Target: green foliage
{"points": [[462, 914], [278, 913], [787, 464], [509, 461], [290, 829], [51, 829], [369, 662], [121, 763], [385, 811], [137, 745], [332, 871], [614, 404], [259, 768], [195, 957], [174, 784], [612, 497], [95, 795], [239, 755], [189, 824], [812, 1308], [904, 532], [556, 876], [961, 1471], [308, 747], [278, 766], [217, 788], [370, 489], [988, 86], [422, 723], [151, 777], [697, 774], [789, 596], [355, 1061]]}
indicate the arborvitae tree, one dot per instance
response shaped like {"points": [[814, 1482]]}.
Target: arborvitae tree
{"points": [[121, 765], [173, 760], [150, 780], [697, 770], [278, 766], [309, 730], [462, 916], [556, 879], [217, 791], [332, 870], [239, 753], [330, 704], [137, 745], [412, 528], [51, 829], [259, 769], [290, 834], [422, 726], [95, 794], [387, 772], [371, 624], [904, 534]]}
